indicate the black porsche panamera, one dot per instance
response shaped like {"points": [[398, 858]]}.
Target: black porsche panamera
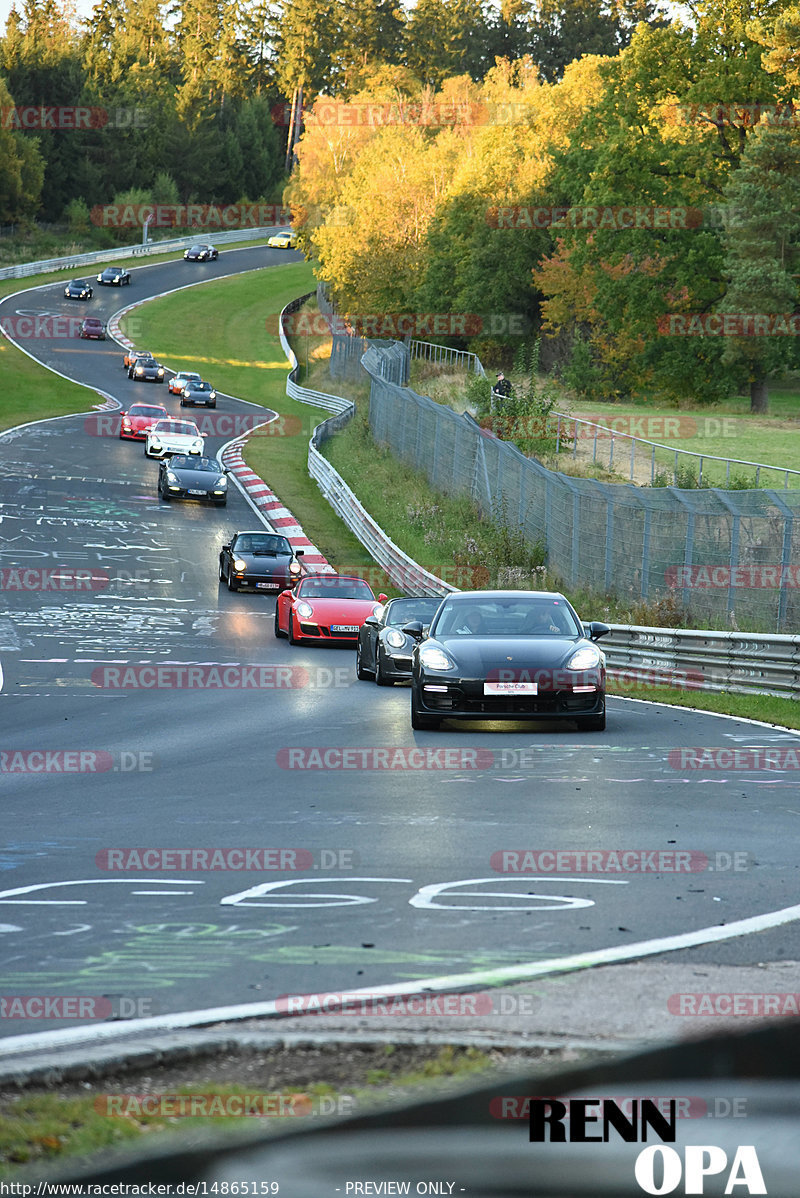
{"points": [[507, 655]]}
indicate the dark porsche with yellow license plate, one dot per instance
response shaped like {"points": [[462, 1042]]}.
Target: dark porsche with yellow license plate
{"points": [[146, 370], [384, 651], [198, 393], [187, 476], [262, 560], [507, 655]]}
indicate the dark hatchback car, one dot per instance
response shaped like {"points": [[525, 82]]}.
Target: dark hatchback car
{"points": [[508, 655], [146, 370], [78, 289], [201, 253], [192, 477], [384, 651], [262, 560], [93, 328], [114, 276], [198, 394]]}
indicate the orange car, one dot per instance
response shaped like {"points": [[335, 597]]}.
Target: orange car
{"points": [[132, 354]]}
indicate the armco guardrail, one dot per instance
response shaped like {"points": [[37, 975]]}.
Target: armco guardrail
{"points": [[695, 659], [23, 269]]}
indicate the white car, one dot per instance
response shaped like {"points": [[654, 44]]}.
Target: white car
{"points": [[173, 436], [179, 381]]}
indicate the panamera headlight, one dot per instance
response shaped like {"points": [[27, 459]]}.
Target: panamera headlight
{"points": [[197, 445], [586, 658], [395, 639], [239, 565], [172, 478], [221, 481], [304, 610], [431, 657]]}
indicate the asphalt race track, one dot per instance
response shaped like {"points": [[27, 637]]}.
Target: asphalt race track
{"points": [[388, 873]]}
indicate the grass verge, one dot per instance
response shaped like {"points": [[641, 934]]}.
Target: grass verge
{"points": [[770, 708]]}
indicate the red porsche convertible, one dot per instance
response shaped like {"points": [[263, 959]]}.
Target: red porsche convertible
{"points": [[325, 607]]}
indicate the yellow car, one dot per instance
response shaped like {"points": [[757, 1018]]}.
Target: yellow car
{"points": [[285, 240]]}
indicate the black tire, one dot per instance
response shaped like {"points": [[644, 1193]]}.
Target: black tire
{"points": [[220, 571], [161, 495], [232, 586], [422, 723], [362, 673], [380, 674], [280, 634], [592, 723], [292, 638]]}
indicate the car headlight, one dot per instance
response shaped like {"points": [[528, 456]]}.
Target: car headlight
{"points": [[155, 443], [139, 370], [304, 610], [99, 278], [433, 658], [197, 445], [395, 639], [172, 478], [221, 481], [212, 395], [239, 565], [294, 567], [161, 370], [586, 658]]}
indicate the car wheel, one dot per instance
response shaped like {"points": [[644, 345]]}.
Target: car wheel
{"points": [[592, 723], [232, 584], [293, 638], [183, 403], [220, 571], [161, 494], [280, 634], [362, 673], [380, 669], [422, 723]]}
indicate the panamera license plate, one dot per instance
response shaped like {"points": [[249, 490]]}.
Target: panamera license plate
{"points": [[197, 492], [510, 688], [268, 586], [344, 627]]}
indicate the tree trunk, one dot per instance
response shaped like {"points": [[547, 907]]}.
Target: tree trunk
{"points": [[759, 395]]}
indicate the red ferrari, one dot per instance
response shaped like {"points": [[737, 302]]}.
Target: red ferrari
{"points": [[139, 419], [325, 607]]}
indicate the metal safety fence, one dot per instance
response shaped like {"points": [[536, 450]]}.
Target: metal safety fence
{"points": [[722, 555]]}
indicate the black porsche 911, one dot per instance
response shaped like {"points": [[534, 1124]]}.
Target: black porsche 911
{"points": [[201, 253], [78, 289], [114, 276], [198, 393], [262, 560], [190, 477], [146, 370], [384, 651], [507, 655]]}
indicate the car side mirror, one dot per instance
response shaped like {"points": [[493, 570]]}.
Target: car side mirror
{"points": [[382, 598], [299, 552], [414, 629], [226, 546], [597, 629], [371, 622]]}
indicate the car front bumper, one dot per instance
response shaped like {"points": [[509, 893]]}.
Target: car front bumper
{"points": [[464, 698]]}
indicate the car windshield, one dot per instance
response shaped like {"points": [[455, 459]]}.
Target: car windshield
{"points": [[506, 616], [189, 378], [335, 588], [140, 409], [177, 426], [197, 386], [400, 611], [92, 320], [183, 462], [196, 248], [147, 362], [261, 543]]}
